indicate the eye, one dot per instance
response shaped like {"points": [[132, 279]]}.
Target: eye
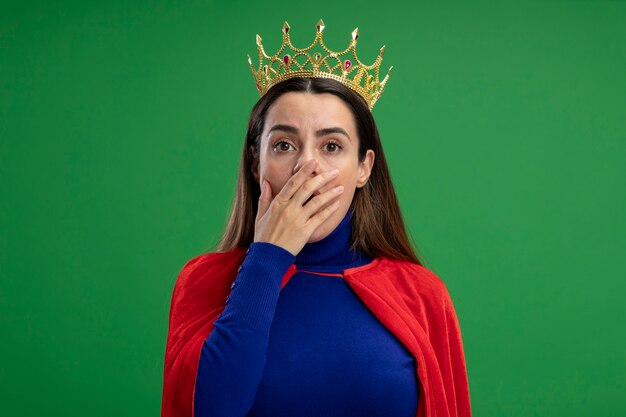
{"points": [[281, 146], [334, 147]]}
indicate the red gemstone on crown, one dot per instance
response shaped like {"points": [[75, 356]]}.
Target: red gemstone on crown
{"points": [[286, 59], [348, 64]]}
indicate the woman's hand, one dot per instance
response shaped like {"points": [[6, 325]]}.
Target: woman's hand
{"points": [[283, 220]]}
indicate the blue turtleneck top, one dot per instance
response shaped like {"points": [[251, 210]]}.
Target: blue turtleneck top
{"points": [[310, 349]]}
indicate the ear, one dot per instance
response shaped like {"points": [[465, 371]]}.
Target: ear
{"points": [[255, 164], [365, 168]]}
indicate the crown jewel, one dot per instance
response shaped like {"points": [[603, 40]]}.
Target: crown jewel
{"points": [[298, 62]]}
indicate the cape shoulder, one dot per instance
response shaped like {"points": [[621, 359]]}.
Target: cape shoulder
{"points": [[408, 297], [203, 281], [410, 283]]}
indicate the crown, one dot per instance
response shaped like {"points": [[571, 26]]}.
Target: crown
{"points": [[297, 62]]}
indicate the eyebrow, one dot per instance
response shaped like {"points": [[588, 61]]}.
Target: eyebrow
{"points": [[319, 133]]}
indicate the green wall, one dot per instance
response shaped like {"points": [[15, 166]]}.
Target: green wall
{"points": [[121, 125]]}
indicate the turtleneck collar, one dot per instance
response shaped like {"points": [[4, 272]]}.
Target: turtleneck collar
{"points": [[332, 253]]}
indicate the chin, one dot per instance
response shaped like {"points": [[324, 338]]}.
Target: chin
{"points": [[317, 235]]}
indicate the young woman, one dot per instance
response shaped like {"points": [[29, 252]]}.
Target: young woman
{"points": [[315, 303]]}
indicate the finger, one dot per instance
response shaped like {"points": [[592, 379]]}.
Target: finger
{"points": [[319, 218], [264, 199], [312, 185], [296, 180], [322, 200]]}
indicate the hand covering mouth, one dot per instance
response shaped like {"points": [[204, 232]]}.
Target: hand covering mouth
{"points": [[311, 197]]}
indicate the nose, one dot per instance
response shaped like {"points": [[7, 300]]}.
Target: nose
{"points": [[302, 161]]}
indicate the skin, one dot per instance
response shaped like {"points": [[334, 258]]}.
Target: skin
{"points": [[284, 154]]}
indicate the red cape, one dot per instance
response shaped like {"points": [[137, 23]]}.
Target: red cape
{"points": [[411, 301]]}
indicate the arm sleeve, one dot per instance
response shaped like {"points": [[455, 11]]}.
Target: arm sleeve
{"points": [[233, 355]]}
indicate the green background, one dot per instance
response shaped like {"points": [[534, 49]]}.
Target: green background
{"points": [[121, 125]]}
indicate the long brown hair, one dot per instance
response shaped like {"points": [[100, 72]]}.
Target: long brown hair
{"points": [[377, 225]]}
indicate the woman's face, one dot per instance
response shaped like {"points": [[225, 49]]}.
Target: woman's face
{"points": [[302, 126]]}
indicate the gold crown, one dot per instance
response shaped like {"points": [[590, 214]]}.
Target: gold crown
{"points": [[353, 74]]}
